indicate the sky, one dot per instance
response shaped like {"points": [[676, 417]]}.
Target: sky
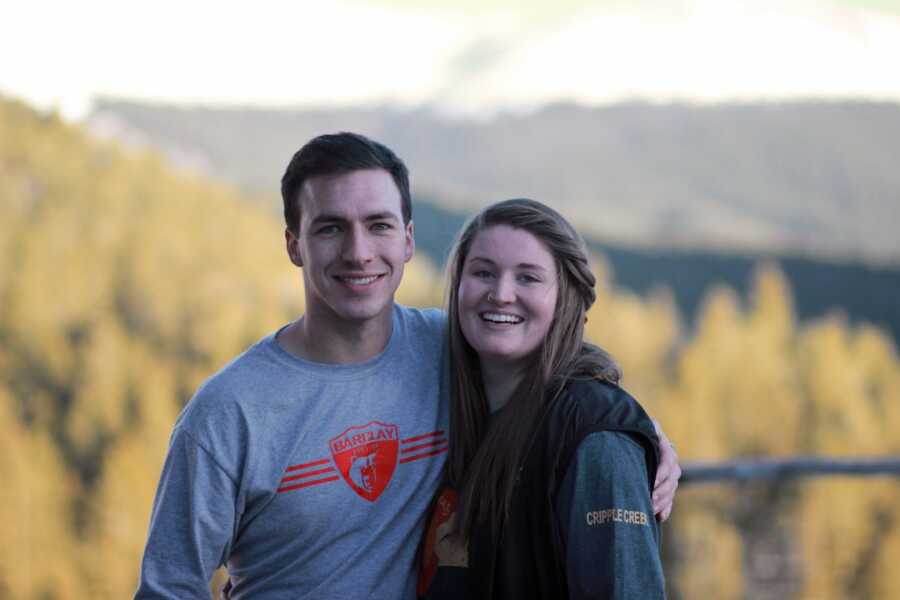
{"points": [[464, 56]]}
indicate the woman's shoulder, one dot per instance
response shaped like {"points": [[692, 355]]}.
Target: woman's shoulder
{"points": [[598, 397], [592, 389], [589, 405]]}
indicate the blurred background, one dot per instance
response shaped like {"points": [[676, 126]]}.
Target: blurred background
{"points": [[733, 166]]}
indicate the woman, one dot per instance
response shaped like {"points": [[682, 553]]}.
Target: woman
{"points": [[551, 464]]}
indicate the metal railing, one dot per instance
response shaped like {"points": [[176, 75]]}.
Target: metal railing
{"points": [[769, 469]]}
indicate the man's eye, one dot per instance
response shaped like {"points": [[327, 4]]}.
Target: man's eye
{"points": [[381, 227], [328, 229]]}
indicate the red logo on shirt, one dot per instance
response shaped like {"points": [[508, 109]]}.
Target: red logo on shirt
{"points": [[366, 457]]}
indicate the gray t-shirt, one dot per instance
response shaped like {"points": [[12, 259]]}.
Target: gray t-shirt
{"points": [[306, 480]]}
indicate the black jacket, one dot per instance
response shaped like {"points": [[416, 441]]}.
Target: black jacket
{"points": [[581, 523]]}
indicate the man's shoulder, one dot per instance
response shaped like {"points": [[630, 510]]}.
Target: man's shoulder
{"points": [[430, 322], [220, 395], [248, 366]]}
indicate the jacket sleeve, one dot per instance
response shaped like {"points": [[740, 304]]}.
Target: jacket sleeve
{"points": [[605, 516], [191, 525]]}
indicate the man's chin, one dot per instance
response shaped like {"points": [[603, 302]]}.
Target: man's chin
{"points": [[362, 312]]}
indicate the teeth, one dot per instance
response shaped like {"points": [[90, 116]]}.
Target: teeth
{"points": [[498, 318], [360, 280]]}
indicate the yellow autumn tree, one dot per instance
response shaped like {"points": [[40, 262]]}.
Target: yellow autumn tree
{"points": [[851, 528], [639, 333], [38, 556], [120, 508]]}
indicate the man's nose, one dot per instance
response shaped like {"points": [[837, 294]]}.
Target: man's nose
{"points": [[358, 247]]}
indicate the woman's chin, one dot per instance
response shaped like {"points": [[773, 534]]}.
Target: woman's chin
{"points": [[498, 358]]}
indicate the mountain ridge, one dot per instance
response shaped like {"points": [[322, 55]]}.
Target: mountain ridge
{"points": [[814, 177]]}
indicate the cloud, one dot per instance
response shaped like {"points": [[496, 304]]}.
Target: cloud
{"points": [[699, 51], [468, 56]]}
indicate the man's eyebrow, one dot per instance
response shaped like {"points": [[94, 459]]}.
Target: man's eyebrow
{"points": [[328, 218], [381, 216], [336, 218]]}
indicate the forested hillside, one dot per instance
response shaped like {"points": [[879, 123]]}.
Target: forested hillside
{"points": [[123, 284]]}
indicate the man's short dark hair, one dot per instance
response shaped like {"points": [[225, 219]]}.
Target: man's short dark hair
{"points": [[337, 154]]}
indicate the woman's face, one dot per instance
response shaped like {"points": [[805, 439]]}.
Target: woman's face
{"points": [[507, 295]]}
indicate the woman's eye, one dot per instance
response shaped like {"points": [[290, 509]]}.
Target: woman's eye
{"points": [[482, 274]]}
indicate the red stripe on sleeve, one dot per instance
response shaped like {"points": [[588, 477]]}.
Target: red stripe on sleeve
{"points": [[306, 484], [315, 463], [426, 455], [310, 474], [422, 437]]}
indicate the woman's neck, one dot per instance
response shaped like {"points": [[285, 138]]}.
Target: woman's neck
{"points": [[500, 381]]}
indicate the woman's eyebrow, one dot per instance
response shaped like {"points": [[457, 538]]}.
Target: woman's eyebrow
{"points": [[528, 266]]}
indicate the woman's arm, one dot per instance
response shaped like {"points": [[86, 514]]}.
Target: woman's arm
{"points": [[605, 514]]}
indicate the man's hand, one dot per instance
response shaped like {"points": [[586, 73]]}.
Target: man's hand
{"points": [[667, 475]]}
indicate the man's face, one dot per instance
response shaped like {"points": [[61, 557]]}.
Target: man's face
{"points": [[352, 245]]}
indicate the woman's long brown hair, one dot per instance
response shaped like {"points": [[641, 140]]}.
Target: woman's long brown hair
{"points": [[484, 460]]}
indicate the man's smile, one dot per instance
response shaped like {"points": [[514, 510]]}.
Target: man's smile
{"points": [[358, 280]]}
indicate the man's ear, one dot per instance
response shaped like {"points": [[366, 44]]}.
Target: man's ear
{"points": [[410, 242], [292, 242]]}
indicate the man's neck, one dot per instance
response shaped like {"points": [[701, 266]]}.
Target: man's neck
{"points": [[337, 342]]}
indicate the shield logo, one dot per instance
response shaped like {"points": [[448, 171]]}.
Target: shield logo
{"points": [[366, 457]]}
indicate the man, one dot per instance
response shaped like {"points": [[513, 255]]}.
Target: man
{"points": [[263, 471]]}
